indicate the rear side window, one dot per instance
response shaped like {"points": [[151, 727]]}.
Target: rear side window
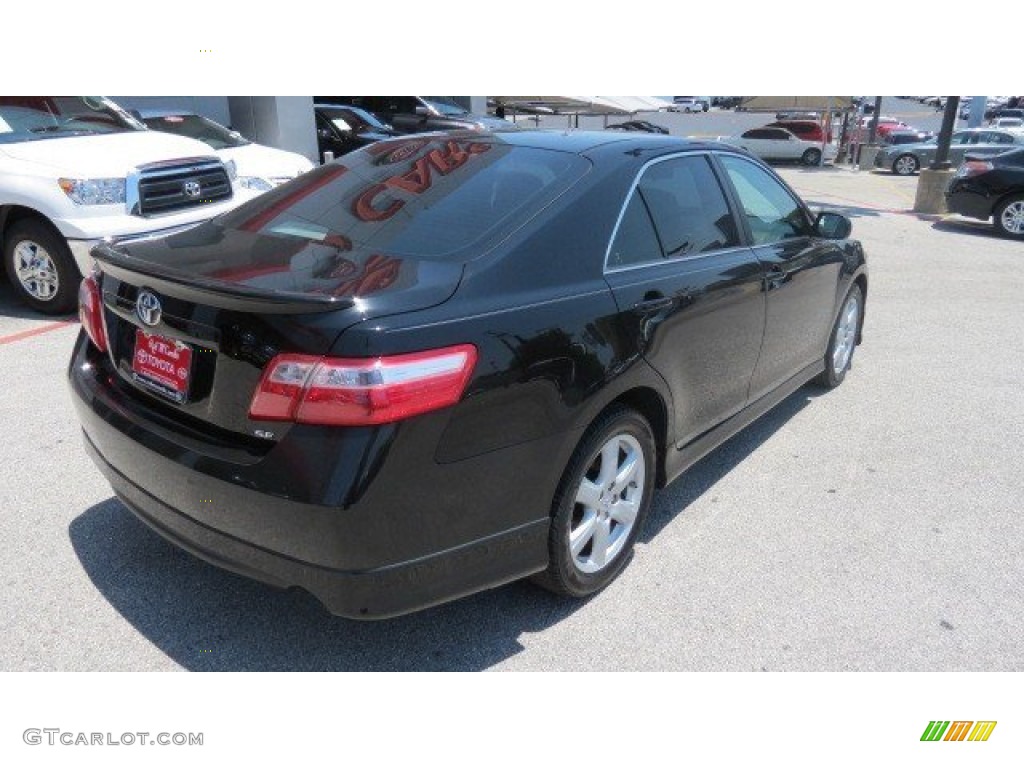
{"points": [[635, 240], [688, 207], [427, 197]]}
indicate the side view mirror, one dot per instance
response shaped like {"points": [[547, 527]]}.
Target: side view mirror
{"points": [[422, 111], [832, 226]]}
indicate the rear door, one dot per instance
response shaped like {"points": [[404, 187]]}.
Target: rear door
{"points": [[801, 273], [689, 291]]}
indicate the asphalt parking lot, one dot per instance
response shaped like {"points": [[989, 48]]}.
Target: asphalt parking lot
{"points": [[875, 527]]}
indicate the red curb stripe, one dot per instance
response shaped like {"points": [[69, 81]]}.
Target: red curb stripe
{"points": [[36, 331]]}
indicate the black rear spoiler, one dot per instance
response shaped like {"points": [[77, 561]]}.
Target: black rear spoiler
{"points": [[217, 293]]}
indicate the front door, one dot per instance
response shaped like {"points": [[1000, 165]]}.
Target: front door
{"points": [[801, 274]]}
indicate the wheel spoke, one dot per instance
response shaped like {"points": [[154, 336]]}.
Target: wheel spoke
{"points": [[626, 473], [589, 494], [601, 540], [582, 533], [609, 463]]}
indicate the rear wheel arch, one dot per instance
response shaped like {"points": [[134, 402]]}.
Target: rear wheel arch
{"points": [[649, 403]]}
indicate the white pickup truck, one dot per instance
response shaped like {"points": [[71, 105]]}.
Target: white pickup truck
{"points": [[77, 169]]}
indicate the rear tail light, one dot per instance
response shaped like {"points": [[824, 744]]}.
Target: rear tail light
{"points": [[973, 168], [355, 392], [90, 312]]}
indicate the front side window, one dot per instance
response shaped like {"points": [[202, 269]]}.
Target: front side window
{"points": [[771, 211]]}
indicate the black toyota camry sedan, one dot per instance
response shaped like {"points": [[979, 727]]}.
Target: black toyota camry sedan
{"points": [[447, 362], [991, 187]]}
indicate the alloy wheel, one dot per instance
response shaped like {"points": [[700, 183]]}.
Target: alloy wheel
{"points": [[846, 334], [1012, 218], [906, 165], [607, 503], [36, 270]]}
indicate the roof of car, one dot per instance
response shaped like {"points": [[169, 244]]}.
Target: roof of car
{"points": [[586, 141]]}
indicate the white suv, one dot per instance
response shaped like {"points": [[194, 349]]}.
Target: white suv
{"points": [[75, 170]]}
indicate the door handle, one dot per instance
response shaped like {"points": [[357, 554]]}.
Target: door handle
{"points": [[775, 276], [654, 304]]}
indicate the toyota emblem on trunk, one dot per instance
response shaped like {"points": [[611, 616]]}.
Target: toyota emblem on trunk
{"points": [[192, 188], [147, 307]]}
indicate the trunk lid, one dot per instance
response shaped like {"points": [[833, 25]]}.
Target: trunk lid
{"points": [[229, 300]]}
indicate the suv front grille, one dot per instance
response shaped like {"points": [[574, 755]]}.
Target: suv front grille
{"points": [[170, 188]]}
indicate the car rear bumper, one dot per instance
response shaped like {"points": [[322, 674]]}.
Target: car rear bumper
{"points": [[406, 543], [967, 200]]}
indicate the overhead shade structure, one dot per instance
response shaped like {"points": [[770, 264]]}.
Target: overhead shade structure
{"points": [[591, 105], [797, 103], [638, 103]]}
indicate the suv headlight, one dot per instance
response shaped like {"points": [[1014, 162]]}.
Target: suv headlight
{"points": [[232, 168], [94, 191], [255, 183]]}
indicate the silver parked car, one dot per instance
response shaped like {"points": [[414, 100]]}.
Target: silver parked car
{"points": [[906, 159]]}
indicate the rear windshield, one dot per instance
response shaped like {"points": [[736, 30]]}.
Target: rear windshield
{"points": [[429, 197]]}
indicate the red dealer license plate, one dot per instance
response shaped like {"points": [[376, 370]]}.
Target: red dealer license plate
{"points": [[162, 365]]}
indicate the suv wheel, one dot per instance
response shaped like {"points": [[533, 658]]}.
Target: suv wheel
{"points": [[40, 266]]}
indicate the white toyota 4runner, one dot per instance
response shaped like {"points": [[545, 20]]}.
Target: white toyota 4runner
{"points": [[77, 169]]}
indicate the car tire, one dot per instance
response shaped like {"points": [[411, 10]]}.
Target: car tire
{"points": [[599, 508], [843, 339], [905, 165], [40, 266], [1008, 217], [811, 157]]}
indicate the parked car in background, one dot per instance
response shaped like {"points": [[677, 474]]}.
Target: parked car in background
{"points": [[77, 169], [906, 136], [638, 125], [1003, 111], [704, 101], [341, 129], [396, 383], [1007, 122], [991, 188], [726, 102], [685, 104], [780, 144], [798, 115], [419, 114], [808, 130], [907, 159], [259, 167]]}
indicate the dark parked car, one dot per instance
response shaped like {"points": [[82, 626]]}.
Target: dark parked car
{"points": [[638, 125], [447, 362], [341, 129], [419, 114], [991, 188]]}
